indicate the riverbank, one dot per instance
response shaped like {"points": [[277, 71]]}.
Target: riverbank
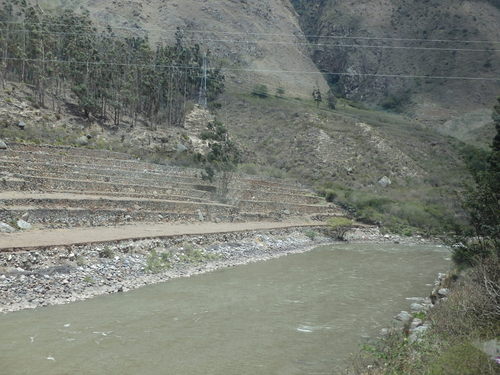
{"points": [[299, 314], [453, 331], [64, 274], [31, 279]]}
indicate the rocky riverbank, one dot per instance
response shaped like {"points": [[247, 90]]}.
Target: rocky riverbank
{"points": [[414, 323], [31, 279], [373, 234]]}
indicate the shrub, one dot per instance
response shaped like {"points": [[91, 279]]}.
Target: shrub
{"points": [[462, 358], [106, 253], [311, 235], [248, 168], [80, 261], [156, 263], [329, 194], [395, 102], [260, 91], [197, 256], [332, 100], [339, 222]]}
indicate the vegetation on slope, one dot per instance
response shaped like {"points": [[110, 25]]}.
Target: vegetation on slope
{"points": [[62, 52], [345, 152], [471, 314], [398, 37]]}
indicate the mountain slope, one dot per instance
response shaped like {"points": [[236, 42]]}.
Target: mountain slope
{"points": [[242, 34], [432, 100]]}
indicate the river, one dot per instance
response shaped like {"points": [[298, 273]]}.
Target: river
{"points": [[300, 314]]}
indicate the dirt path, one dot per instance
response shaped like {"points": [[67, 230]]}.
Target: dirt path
{"points": [[74, 236], [77, 196]]}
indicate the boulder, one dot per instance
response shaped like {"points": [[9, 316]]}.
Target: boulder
{"points": [[3, 145], [417, 307], [384, 332], [23, 224], [82, 141], [403, 316], [6, 228], [181, 148], [418, 332], [21, 124], [384, 181], [416, 323], [443, 292], [200, 216]]}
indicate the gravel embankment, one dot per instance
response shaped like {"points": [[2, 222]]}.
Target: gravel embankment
{"points": [[54, 276]]}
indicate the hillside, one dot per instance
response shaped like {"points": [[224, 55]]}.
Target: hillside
{"points": [[392, 169], [431, 101], [240, 33], [261, 42]]}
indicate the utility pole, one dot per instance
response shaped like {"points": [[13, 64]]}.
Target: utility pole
{"points": [[202, 100]]}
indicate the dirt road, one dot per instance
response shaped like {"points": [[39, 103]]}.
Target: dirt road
{"points": [[74, 236]]}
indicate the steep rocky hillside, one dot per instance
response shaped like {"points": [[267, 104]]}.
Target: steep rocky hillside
{"points": [[429, 100], [240, 33], [255, 39]]}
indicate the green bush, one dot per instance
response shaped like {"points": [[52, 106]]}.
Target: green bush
{"points": [[106, 253], [280, 92], [339, 222], [156, 263], [260, 91], [464, 359], [329, 194], [311, 235], [197, 256], [248, 168]]}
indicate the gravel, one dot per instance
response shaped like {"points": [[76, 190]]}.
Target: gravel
{"points": [[62, 275]]}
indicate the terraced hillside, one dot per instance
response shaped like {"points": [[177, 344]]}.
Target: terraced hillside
{"points": [[62, 187]]}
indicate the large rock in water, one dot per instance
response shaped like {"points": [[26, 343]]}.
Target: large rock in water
{"points": [[403, 316], [417, 307], [3, 145], [6, 228]]}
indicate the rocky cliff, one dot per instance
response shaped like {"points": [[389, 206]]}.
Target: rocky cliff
{"points": [[440, 39]]}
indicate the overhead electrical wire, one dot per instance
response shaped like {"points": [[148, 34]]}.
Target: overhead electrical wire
{"points": [[358, 46], [259, 70], [145, 30]]}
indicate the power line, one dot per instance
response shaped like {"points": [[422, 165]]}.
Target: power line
{"points": [[408, 76], [346, 45], [101, 63], [358, 46], [144, 30]]}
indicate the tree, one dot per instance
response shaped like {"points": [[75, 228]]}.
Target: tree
{"points": [[221, 160], [317, 96], [482, 204], [332, 100], [494, 159], [280, 92], [260, 91], [61, 52]]}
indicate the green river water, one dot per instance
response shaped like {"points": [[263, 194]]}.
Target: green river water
{"points": [[300, 314]]}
